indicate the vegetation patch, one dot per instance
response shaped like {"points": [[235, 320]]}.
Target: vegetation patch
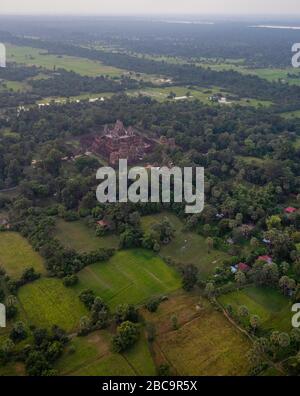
{"points": [[48, 302], [39, 57], [92, 356], [132, 276], [17, 255], [76, 235], [203, 343], [273, 308], [187, 247]]}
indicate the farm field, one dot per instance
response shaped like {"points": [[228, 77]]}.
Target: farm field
{"points": [[39, 57], [272, 307], [85, 96], [265, 73], [16, 86], [132, 276], [92, 356], [186, 247], [47, 302], [204, 344], [291, 114], [76, 235], [17, 255], [161, 94]]}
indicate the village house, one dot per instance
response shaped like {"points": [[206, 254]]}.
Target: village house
{"points": [[4, 224], [104, 224], [266, 259], [290, 210], [243, 267]]}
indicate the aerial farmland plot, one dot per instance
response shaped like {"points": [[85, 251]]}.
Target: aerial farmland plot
{"points": [[91, 355], [39, 57], [186, 247], [48, 302], [78, 236], [17, 255], [204, 343], [132, 276], [273, 308]]}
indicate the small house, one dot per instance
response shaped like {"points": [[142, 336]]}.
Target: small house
{"points": [[103, 224], [290, 210], [265, 258], [243, 267]]}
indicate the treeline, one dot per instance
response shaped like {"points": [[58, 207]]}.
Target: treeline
{"points": [[185, 74], [67, 83], [18, 73]]}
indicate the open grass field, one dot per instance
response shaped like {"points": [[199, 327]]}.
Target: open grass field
{"points": [[78, 236], [269, 74], [93, 357], [130, 276], [16, 255], [204, 344], [291, 114], [15, 86], [47, 302], [187, 247], [39, 57], [85, 96], [161, 94], [273, 308]]}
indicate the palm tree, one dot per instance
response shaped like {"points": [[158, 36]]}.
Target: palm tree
{"points": [[243, 311], [210, 244], [255, 322]]}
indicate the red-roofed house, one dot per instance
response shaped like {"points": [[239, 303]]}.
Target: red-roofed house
{"points": [[290, 210], [243, 267], [103, 223], [265, 258]]}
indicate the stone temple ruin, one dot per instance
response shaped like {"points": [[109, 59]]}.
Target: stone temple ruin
{"points": [[118, 142]]}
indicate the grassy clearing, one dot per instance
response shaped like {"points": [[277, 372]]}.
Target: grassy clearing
{"points": [[93, 357], [291, 114], [76, 235], [15, 86], [205, 343], [47, 302], [270, 74], [273, 308], [252, 160], [63, 100], [187, 247], [38, 57], [162, 93], [17, 255], [130, 276]]}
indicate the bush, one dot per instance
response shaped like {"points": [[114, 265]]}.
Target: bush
{"points": [[127, 335], [70, 280]]}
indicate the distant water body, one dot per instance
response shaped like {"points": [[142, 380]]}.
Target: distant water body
{"points": [[188, 22], [276, 27]]}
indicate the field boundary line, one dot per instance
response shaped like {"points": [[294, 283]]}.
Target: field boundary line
{"points": [[85, 364], [95, 276]]}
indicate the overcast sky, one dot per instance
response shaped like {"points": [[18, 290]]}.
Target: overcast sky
{"points": [[150, 6]]}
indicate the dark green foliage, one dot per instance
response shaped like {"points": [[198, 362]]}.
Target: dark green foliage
{"points": [[127, 335], [126, 312]]}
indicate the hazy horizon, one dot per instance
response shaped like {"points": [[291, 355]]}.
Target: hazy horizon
{"points": [[151, 7]]}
